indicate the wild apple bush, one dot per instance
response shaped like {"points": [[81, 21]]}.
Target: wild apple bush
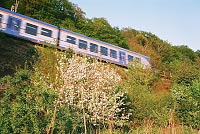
{"points": [[91, 88]]}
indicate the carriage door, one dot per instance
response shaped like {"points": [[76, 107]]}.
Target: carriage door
{"points": [[122, 57], [13, 25]]}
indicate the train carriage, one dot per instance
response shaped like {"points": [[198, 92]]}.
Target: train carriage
{"points": [[26, 27], [102, 50], [83, 44]]}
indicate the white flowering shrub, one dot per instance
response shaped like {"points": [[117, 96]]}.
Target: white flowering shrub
{"points": [[90, 86]]}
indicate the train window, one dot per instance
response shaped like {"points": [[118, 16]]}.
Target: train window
{"points": [[14, 24], [10, 22], [130, 58], [104, 51], [46, 32], [93, 48], [31, 29], [82, 44], [71, 39], [113, 53]]}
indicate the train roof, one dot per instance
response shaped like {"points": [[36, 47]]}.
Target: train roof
{"points": [[26, 17]]}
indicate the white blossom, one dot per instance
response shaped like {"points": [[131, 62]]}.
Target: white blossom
{"points": [[90, 86]]}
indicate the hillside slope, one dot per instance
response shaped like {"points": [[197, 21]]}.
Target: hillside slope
{"points": [[30, 101], [15, 54]]}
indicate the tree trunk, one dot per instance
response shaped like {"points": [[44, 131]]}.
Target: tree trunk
{"points": [[84, 119], [51, 127], [110, 126]]}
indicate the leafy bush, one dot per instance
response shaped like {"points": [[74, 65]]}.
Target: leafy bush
{"points": [[27, 106], [188, 103], [24, 107], [147, 105]]}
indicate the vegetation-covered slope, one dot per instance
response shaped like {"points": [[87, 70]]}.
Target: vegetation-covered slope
{"points": [[72, 94], [176, 64], [29, 102], [15, 54]]}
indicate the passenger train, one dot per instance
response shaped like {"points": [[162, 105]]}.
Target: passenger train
{"points": [[40, 32]]}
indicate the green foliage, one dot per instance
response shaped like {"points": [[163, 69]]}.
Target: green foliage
{"points": [[188, 103], [186, 53], [198, 52], [28, 104], [47, 65], [50, 11], [142, 40], [14, 54], [179, 64], [150, 128], [100, 29], [183, 72], [24, 107], [103, 31], [147, 105], [68, 121], [141, 77]]}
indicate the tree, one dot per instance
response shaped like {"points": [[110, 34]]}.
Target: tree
{"points": [[198, 52], [186, 52], [51, 11], [183, 72], [90, 87], [187, 103], [142, 40], [103, 31]]}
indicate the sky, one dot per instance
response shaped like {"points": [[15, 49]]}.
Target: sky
{"points": [[175, 21]]}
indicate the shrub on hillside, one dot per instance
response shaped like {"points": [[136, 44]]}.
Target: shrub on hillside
{"points": [[147, 105], [188, 103]]}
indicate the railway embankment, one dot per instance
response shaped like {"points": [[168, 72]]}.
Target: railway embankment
{"points": [[15, 54]]}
